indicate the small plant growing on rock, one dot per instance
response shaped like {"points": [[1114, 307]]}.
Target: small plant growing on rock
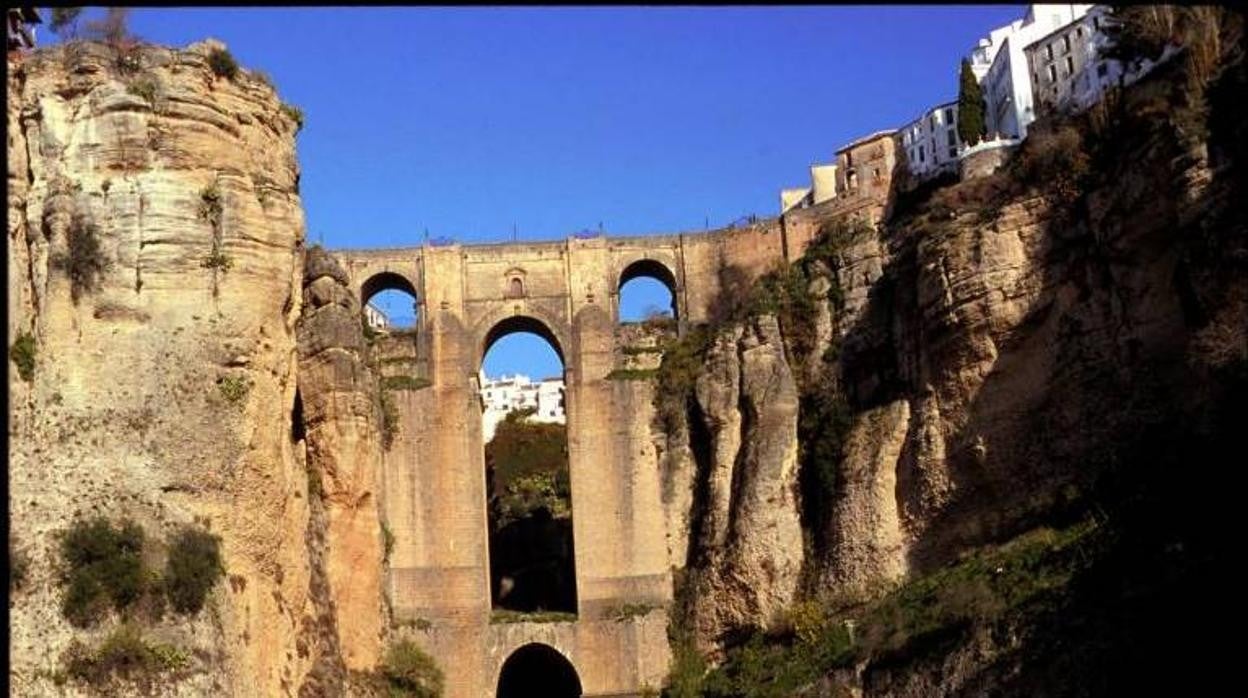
{"points": [[145, 88], [262, 77], [411, 672], [389, 420], [22, 353], [295, 114], [217, 260], [83, 259], [233, 388], [103, 565], [193, 568], [123, 657], [210, 206], [223, 64]]}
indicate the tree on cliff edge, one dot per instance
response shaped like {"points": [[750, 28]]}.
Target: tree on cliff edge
{"points": [[971, 127]]}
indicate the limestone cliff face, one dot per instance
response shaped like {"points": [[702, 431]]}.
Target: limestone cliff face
{"points": [[164, 390], [338, 398], [747, 541]]}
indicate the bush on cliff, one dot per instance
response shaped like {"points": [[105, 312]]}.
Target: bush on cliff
{"points": [[411, 672], [22, 352], [193, 568], [103, 566], [124, 656], [83, 260], [223, 64]]}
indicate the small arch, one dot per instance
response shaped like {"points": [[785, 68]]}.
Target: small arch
{"points": [[383, 301], [538, 670], [515, 287], [644, 269]]}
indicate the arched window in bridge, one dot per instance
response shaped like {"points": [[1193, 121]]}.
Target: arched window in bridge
{"points": [[515, 287], [388, 303], [647, 296], [528, 483]]}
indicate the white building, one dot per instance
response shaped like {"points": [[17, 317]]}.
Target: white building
{"points": [[931, 142], [500, 397], [375, 317], [1007, 81], [822, 188]]}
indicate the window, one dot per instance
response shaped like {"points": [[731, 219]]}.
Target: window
{"points": [[1079, 32], [1096, 22], [953, 137], [1066, 44], [1102, 70], [948, 116], [921, 158], [1070, 66], [1052, 73], [953, 153], [876, 172], [1048, 51], [932, 119]]}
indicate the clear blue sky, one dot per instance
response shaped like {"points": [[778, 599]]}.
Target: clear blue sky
{"points": [[467, 121]]}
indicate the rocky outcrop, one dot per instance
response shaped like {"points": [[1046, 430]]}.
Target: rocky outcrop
{"points": [[748, 538], [338, 398], [163, 387]]}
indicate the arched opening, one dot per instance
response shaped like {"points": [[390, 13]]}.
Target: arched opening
{"points": [[528, 483], [538, 670], [647, 296], [389, 303]]}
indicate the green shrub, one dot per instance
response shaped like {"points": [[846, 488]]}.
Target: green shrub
{"points": [[505, 615], [103, 565], [688, 670], [210, 206], [83, 261], [295, 114], [222, 64], [233, 388], [217, 260], [193, 568], [144, 87], [123, 656], [22, 352], [412, 672], [624, 611]]}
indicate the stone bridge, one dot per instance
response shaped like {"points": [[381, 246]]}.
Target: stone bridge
{"points": [[434, 487]]}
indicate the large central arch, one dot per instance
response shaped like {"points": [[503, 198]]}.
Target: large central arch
{"points": [[538, 670]]}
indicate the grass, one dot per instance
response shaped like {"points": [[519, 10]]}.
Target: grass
{"points": [[625, 611], [632, 374], [635, 351], [217, 260], [210, 204], [124, 656], [143, 87], [503, 615], [389, 419], [404, 383], [22, 352], [1028, 573]]}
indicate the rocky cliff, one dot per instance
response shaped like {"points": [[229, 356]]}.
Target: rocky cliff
{"points": [[156, 271], [1008, 352]]}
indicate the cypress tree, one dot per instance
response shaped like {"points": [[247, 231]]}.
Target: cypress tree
{"points": [[971, 126]]}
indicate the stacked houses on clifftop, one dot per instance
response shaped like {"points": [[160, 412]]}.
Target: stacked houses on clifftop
{"points": [[1049, 60]]}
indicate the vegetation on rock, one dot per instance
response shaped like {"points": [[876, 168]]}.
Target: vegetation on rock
{"points": [[103, 566], [194, 566], [124, 657], [412, 672], [83, 261], [222, 63], [22, 352]]}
